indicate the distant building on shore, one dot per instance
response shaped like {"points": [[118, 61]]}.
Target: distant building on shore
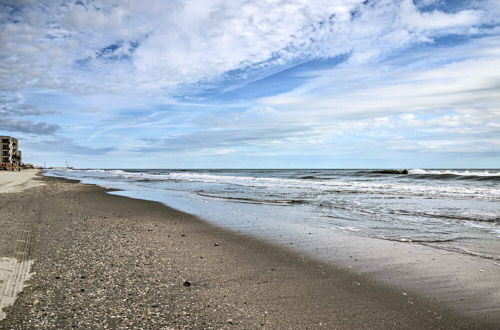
{"points": [[10, 157]]}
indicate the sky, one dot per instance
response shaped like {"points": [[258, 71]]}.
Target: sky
{"points": [[252, 84]]}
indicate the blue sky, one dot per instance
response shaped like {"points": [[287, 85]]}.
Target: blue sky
{"points": [[252, 84]]}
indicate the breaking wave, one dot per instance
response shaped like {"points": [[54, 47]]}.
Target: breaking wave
{"points": [[475, 175]]}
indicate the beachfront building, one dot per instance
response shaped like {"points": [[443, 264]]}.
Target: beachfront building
{"points": [[10, 157]]}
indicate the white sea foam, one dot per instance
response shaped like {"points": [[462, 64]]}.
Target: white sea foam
{"points": [[415, 189], [368, 187], [349, 228], [486, 173]]}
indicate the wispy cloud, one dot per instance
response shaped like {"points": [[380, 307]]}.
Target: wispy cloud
{"points": [[64, 145], [215, 139]]}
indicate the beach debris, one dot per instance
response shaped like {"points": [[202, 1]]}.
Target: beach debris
{"points": [[187, 283], [405, 294], [216, 244]]}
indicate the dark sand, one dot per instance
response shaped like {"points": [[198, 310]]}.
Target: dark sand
{"points": [[104, 261]]}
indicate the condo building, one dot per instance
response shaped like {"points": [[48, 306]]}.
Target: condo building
{"points": [[10, 157]]}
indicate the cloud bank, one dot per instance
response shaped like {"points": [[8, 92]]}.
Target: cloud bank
{"points": [[25, 126]]}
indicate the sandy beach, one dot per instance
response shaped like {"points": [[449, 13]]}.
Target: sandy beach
{"points": [[104, 261], [13, 181]]}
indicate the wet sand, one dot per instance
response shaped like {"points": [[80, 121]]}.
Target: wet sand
{"points": [[102, 260]]}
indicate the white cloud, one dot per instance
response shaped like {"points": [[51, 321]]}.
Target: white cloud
{"points": [[436, 20], [159, 45], [453, 96]]}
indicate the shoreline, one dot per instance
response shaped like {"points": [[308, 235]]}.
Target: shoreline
{"points": [[133, 257], [464, 282]]}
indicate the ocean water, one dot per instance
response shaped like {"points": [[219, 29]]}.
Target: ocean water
{"points": [[455, 210]]}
